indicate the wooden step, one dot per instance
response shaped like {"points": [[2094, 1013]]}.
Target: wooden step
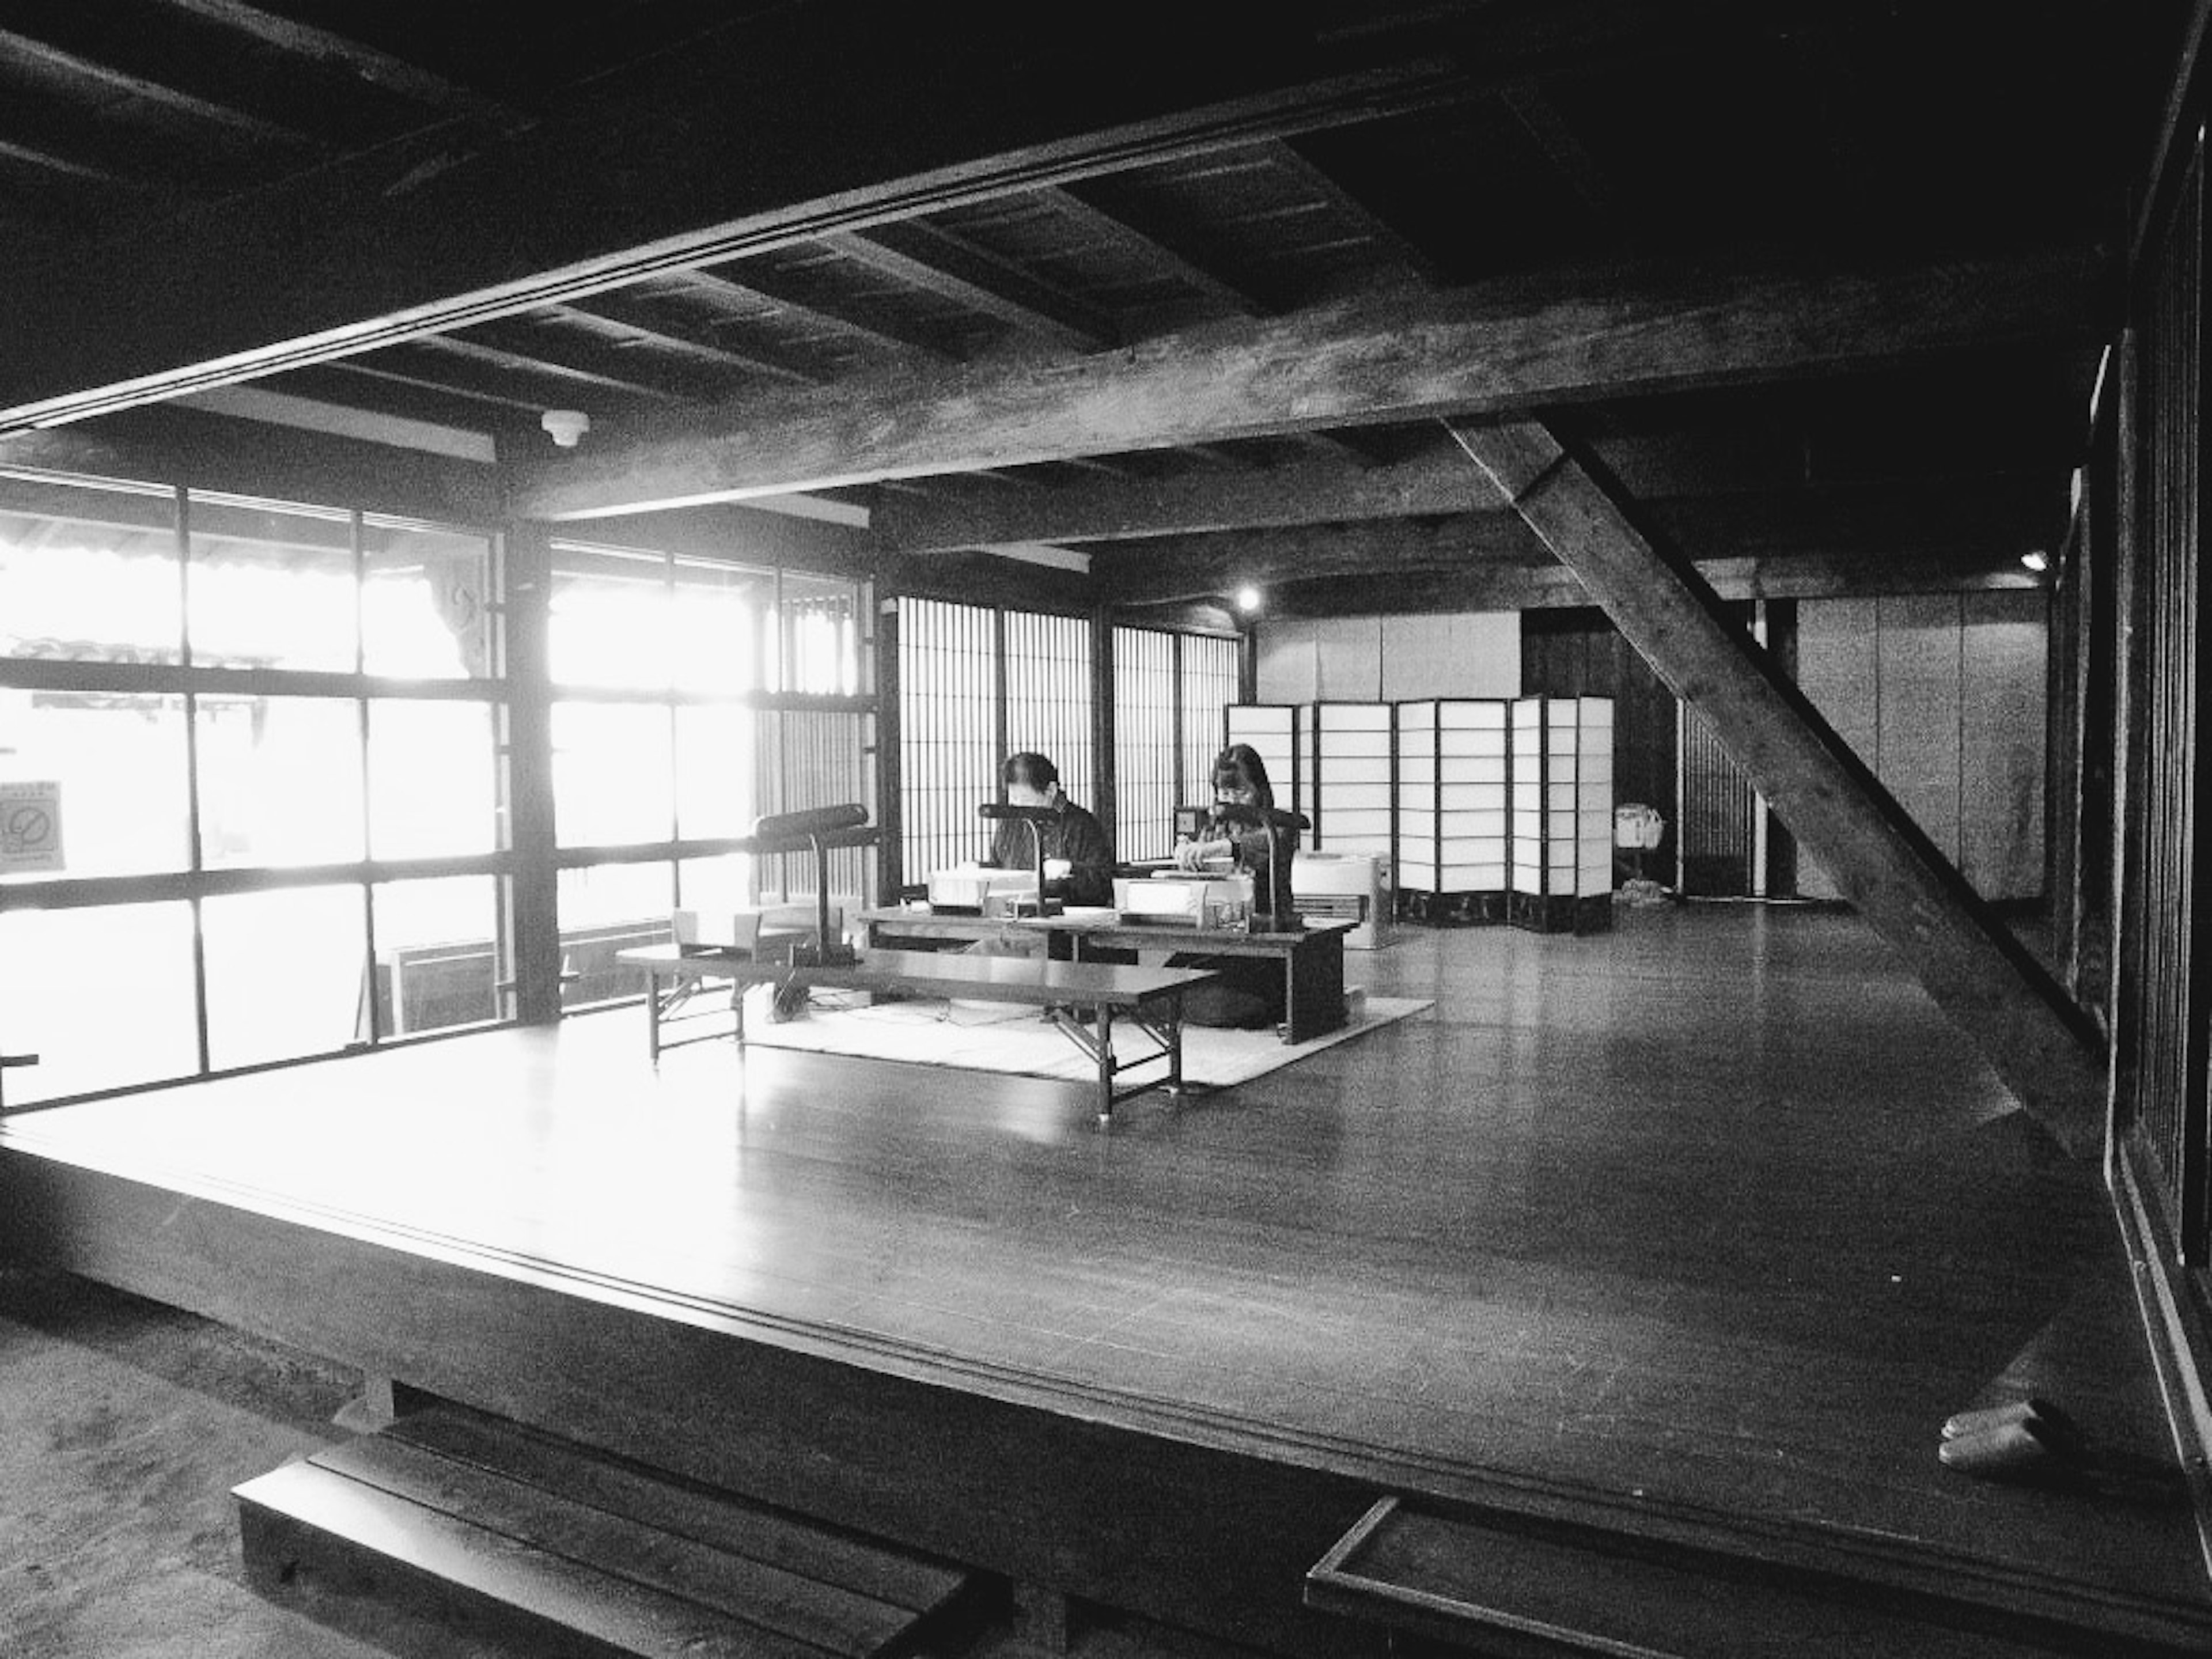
{"points": [[1510, 1585], [463, 1523]]}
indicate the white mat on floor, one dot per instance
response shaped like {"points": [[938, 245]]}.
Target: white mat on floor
{"points": [[1006, 1037]]}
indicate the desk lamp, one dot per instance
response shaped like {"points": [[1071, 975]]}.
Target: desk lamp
{"points": [[1274, 821], [816, 827], [1036, 818]]}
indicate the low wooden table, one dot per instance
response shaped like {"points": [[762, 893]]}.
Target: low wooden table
{"points": [[1149, 998], [1312, 958]]}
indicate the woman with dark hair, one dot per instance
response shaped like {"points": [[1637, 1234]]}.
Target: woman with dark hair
{"points": [[1240, 779], [1249, 991]]}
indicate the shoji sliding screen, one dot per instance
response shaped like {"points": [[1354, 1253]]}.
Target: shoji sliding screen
{"points": [[948, 758], [1146, 772]]}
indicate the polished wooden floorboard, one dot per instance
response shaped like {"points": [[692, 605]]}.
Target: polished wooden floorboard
{"points": [[1715, 1214]]}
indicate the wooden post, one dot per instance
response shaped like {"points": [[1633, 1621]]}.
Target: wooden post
{"points": [[2035, 1039], [536, 924]]}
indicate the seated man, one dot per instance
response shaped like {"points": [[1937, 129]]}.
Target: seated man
{"points": [[1079, 865]]}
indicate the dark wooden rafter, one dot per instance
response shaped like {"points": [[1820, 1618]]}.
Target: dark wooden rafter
{"points": [[1202, 567], [2038, 1044], [750, 280], [1151, 248], [535, 361], [949, 266], [624, 320], [24, 48], [1540, 119], [1368, 360], [301, 40], [381, 371], [47, 161]]}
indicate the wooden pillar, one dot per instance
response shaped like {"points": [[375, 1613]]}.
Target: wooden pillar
{"points": [[535, 921], [2035, 1039], [891, 859], [1105, 805]]}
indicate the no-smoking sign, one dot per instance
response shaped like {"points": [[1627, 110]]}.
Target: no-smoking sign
{"points": [[30, 826]]}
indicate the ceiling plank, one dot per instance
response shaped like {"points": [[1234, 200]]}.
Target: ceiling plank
{"points": [[2032, 1034], [612, 315], [750, 281], [1472, 351], [938, 261], [1151, 249], [877, 115], [25, 48], [534, 361], [1287, 158]]}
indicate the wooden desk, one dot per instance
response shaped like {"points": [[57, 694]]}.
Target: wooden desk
{"points": [[1313, 960], [1148, 998]]}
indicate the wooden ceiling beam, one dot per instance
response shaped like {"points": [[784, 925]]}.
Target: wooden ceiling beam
{"points": [[938, 262], [1540, 119], [1101, 510], [1477, 351], [394, 75], [876, 116], [2032, 1035], [1199, 566], [25, 48]]}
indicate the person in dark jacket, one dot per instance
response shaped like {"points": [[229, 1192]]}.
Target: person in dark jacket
{"points": [[1078, 863]]}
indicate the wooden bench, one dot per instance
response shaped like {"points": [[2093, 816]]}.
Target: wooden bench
{"points": [[1149, 998]]}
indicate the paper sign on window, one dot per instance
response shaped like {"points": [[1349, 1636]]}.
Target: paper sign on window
{"points": [[30, 827]]}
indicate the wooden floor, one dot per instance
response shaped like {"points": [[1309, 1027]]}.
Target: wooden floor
{"points": [[1712, 1220]]}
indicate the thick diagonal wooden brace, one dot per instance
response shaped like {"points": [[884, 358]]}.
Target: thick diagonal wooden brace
{"points": [[2037, 1040]]}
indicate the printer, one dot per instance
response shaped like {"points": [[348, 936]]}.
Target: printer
{"points": [[975, 890], [1165, 900]]}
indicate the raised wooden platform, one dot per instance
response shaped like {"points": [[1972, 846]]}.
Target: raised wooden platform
{"points": [[1686, 1237]]}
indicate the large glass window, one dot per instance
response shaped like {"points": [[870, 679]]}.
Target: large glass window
{"points": [[610, 618], [118, 760], [75, 983], [441, 956], [89, 571], [696, 694], [613, 777], [286, 973], [271, 588], [280, 781], [425, 602], [433, 778], [176, 785]]}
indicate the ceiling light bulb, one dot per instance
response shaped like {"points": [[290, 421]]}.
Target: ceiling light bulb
{"points": [[1248, 598]]}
